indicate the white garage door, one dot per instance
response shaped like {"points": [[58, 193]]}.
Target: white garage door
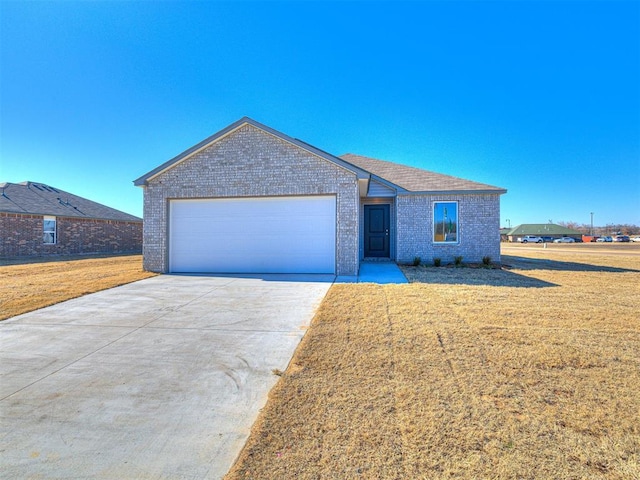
{"points": [[253, 235]]}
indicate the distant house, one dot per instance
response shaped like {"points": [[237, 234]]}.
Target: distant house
{"points": [[504, 234], [541, 230], [250, 199], [37, 219]]}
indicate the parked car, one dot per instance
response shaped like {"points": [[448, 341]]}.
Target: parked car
{"points": [[604, 239], [635, 239], [547, 239], [621, 238], [564, 240], [531, 238]]}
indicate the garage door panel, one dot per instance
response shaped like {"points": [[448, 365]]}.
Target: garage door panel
{"points": [[253, 235]]}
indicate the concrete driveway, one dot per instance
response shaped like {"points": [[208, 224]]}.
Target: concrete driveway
{"points": [[161, 378]]}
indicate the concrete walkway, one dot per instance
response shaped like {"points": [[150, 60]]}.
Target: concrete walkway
{"points": [[380, 272], [162, 378]]}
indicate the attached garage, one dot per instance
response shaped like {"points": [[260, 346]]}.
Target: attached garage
{"points": [[289, 234]]}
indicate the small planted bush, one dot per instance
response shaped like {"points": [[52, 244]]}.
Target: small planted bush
{"points": [[437, 262], [486, 261], [457, 260], [416, 261]]}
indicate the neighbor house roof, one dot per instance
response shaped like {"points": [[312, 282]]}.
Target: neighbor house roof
{"points": [[417, 180], [542, 229], [41, 199]]}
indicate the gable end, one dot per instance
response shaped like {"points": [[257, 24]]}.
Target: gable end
{"points": [[144, 180]]}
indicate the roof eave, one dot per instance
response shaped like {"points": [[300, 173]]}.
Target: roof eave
{"points": [[144, 179], [66, 215], [455, 192]]}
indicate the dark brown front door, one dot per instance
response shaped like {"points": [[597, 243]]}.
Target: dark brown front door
{"points": [[376, 230]]}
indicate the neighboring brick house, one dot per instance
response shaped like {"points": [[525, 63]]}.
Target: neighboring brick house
{"points": [[37, 220], [250, 199]]}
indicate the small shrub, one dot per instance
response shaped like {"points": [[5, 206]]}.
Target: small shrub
{"points": [[486, 260], [416, 261], [457, 260], [437, 262]]}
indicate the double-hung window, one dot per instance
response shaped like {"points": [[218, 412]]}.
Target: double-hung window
{"points": [[445, 222], [49, 231]]}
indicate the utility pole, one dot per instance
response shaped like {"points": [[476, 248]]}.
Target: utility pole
{"points": [[591, 229]]}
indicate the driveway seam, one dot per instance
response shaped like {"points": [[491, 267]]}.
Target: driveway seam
{"points": [[224, 330]]}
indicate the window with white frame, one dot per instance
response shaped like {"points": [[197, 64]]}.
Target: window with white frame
{"points": [[49, 230], [445, 222]]}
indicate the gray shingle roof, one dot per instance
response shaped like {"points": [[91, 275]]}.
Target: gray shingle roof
{"points": [[41, 199], [542, 229], [414, 179]]}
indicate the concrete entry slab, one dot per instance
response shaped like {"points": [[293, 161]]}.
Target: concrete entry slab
{"points": [[381, 272], [165, 384]]}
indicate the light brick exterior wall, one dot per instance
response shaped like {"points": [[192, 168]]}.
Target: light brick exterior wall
{"points": [[478, 223], [251, 163], [22, 235]]}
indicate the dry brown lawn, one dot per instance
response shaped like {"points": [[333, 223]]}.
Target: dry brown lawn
{"points": [[524, 373], [28, 286]]}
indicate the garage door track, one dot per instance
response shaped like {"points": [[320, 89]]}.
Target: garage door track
{"points": [[161, 378]]}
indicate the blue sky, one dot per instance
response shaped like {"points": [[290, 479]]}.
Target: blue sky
{"points": [[541, 98]]}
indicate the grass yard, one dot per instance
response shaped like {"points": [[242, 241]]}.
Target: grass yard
{"points": [[35, 284], [523, 373]]}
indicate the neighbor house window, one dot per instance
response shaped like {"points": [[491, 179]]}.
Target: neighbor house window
{"points": [[49, 230], [445, 222]]}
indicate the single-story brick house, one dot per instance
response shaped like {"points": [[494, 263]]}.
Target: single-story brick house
{"points": [[250, 199], [37, 219]]}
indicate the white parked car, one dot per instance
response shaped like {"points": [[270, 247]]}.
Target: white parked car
{"points": [[635, 239], [531, 239], [604, 239], [564, 240]]}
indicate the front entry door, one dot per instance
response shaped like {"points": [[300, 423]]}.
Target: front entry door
{"points": [[376, 231]]}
